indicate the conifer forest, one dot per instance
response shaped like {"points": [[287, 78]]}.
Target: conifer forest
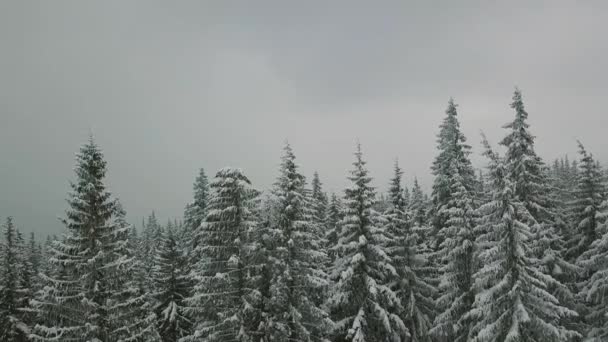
{"points": [[514, 251]]}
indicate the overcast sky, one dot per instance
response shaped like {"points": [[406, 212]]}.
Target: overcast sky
{"points": [[168, 87]]}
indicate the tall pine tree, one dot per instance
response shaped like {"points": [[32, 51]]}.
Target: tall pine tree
{"points": [[225, 299], [594, 290], [513, 303], [363, 305], [172, 288], [413, 290], [13, 328], [197, 210], [297, 263], [454, 191], [588, 195], [82, 296]]}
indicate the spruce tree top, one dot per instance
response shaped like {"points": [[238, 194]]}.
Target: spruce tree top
{"points": [[90, 206], [523, 165], [395, 191]]}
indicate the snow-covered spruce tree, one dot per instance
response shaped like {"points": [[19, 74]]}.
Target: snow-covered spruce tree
{"points": [[531, 185], [297, 261], [414, 291], [266, 213], [46, 268], [513, 303], [588, 195], [456, 257], [74, 301], [453, 158], [195, 212], [27, 279], [454, 191], [363, 305], [81, 299], [594, 291], [224, 304], [129, 306], [172, 288], [34, 258], [319, 201], [418, 206], [150, 241], [12, 325], [333, 216]]}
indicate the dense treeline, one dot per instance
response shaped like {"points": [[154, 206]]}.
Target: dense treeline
{"points": [[516, 252]]}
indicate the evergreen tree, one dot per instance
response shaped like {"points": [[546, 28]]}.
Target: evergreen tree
{"points": [[34, 258], [12, 325], [595, 288], [363, 305], [513, 303], [456, 255], [453, 158], [319, 201], [129, 305], [150, 241], [531, 185], [454, 193], [74, 302], [298, 259], [414, 292], [333, 216], [83, 296], [172, 288], [588, 195], [418, 206], [224, 303], [196, 211], [27, 279]]}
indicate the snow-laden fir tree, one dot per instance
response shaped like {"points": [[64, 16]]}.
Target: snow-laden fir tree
{"points": [[224, 304], [418, 206], [453, 157], [297, 261], [561, 186], [587, 198], [149, 243], [74, 301], [513, 303], [333, 216], [34, 258], [13, 327], [456, 257], [28, 279], [531, 185], [172, 288], [363, 305], [563, 181], [80, 297], [530, 177], [414, 291], [588, 195], [594, 291], [524, 167], [195, 212], [130, 304], [319, 201], [454, 192]]}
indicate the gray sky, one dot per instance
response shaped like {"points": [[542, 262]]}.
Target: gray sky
{"points": [[171, 86]]}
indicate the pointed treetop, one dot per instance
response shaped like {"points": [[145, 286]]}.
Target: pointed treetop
{"points": [[518, 105], [451, 110], [396, 192]]}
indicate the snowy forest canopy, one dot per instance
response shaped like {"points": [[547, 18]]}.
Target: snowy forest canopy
{"points": [[515, 252]]}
